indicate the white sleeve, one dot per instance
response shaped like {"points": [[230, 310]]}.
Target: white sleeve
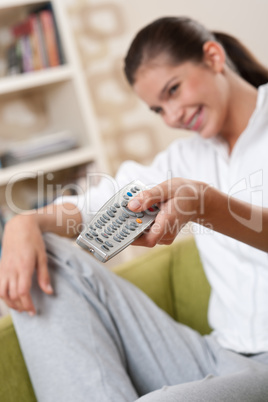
{"points": [[172, 162]]}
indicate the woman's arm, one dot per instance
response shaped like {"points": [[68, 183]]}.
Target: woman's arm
{"points": [[181, 201], [23, 251]]}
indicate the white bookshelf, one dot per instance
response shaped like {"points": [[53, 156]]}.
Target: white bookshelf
{"points": [[54, 163], [63, 89], [27, 81]]}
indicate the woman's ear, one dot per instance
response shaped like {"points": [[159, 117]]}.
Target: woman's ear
{"points": [[214, 56]]}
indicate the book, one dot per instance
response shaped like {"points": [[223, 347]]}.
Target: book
{"points": [[26, 53], [36, 44], [47, 22], [13, 56], [49, 7], [37, 147], [42, 43]]}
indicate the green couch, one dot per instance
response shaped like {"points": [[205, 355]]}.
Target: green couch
{"points": [[172, 276]]}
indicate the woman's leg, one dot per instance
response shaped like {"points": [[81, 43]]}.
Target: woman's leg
{"points": [[248, 385], [99, 338], [237, 378]]}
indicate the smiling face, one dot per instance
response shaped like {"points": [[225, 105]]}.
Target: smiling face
{"points": [[189, 95]]}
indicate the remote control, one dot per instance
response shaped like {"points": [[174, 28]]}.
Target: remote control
{"points": [[115, 226]]}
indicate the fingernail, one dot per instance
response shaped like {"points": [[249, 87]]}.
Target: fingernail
{"points": [[134, 204], [31, 313], [49, 288]]}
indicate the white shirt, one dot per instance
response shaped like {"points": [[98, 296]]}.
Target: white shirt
{"points": [[238, 273]]}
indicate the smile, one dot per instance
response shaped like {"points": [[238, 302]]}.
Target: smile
{"points": [[195, 122]]}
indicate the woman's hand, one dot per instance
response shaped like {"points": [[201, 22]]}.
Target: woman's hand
{"points": [[179, 201], [23, 252]]}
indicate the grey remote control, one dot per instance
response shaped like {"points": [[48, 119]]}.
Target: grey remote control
{"points": [[114, 227]]}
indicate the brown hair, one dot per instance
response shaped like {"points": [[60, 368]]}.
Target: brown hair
{"points": [[182, 39]]}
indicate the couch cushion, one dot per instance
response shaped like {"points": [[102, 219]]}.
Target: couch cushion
{"points": [[191, 289], [151, 272]]}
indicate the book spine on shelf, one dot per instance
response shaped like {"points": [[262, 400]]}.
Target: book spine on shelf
{"points": [[36, 45], [47, 22], [26, 54], [42, 43], [13, 60]]}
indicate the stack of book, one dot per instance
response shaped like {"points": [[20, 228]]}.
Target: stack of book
{"points": [[36, 43], [38, 147]]}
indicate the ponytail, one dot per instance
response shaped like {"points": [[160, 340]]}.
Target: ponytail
{"points": [[246, 64]]}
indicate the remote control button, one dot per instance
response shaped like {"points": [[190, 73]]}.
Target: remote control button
{"points": [[104, 235], [138, 220], [134, 224], [119, 222], [106, 217], [120, 237], [123, 234], [137, 188], [103, 220], [94, 233], [133, 190], [154, 209], [98, 240], [131, 213], [116, 239], [115, 225], [122, 218], [109, 244], [129, 194], [125, 215], [105, 247], [113, 209], [88, 235], [108, 232], [91, 227], [100, 222], [130, 227], [110, 213], [116, 205], [110, 228], [124, 203], [126, 197], [98, 226], [125, 231]]}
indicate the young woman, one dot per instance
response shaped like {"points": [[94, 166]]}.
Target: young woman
{"points": [[98, 338]]}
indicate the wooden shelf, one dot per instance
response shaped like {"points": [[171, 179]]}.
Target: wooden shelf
{"points": [[42, 166], [35, 79], [17, 3]]}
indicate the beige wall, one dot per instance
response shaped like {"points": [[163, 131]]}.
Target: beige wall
{"points": [[103, 31]]}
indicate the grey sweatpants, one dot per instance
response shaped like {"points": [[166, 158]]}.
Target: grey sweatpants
{"points": [[99, 338]]}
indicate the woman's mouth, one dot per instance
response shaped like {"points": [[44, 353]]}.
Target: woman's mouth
{"points": [[195, 121]]}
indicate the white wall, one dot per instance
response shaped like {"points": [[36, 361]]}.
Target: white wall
{"points": [[246, 19]]}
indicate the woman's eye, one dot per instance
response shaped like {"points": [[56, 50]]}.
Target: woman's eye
{"points": [[173, 89], [157, 110]]}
